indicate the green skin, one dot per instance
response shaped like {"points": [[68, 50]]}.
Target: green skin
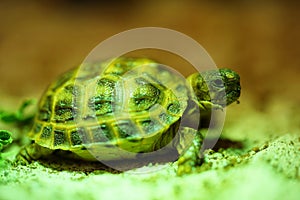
{"points": [[213, 89]]}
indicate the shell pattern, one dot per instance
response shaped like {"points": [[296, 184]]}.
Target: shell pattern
{"points": [[132, 103]]}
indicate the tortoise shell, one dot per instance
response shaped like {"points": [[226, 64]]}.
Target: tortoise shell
{"points": [[119, 103]]}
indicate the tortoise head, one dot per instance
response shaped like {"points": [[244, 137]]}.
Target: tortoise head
{"points": [[220, 87]]}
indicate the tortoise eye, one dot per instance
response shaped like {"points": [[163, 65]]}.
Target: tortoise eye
{"points": [[218, 83]]}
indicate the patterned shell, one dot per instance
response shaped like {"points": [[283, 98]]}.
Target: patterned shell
{"points": [[132, 103]]}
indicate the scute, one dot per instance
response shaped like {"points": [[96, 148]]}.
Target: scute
{"points": [[150, 126], [99, 105], [101, 133], [79, 136], [45, 109], [124, 104], [174, 107], [59, 137], [144, 97], [126, 129], [46, 132]]}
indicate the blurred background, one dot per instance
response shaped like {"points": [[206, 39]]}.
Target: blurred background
{"points": [[259, 39]]}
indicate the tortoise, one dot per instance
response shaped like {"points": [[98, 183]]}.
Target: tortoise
{"points": [[124, 107]]}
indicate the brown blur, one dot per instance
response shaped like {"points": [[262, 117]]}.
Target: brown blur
{"points": [[258, 39]]}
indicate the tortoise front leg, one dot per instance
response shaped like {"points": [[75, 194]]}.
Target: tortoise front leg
{"points": [[190, 157]]}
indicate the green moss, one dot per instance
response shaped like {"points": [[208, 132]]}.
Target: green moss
{"points": [[20, 116], [5, 138]]}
